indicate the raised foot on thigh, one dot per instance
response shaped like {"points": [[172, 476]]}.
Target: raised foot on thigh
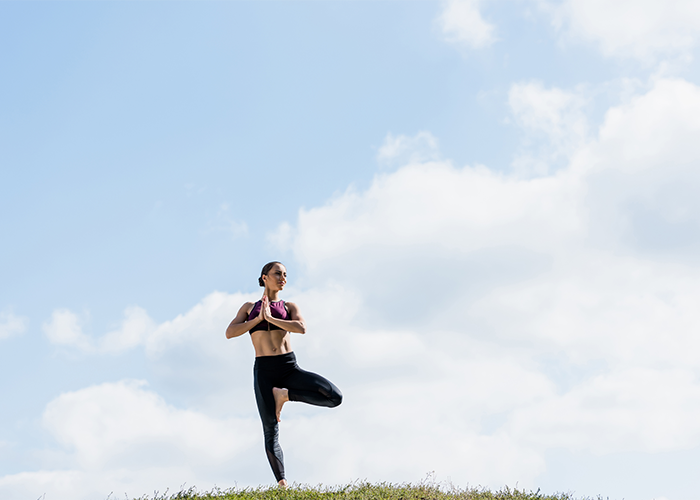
{"points": [[281, 397]]}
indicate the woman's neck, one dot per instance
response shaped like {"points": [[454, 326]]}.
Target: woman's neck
{"points": [[272, 295]]}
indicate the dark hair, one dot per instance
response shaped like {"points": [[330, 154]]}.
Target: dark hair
{"points": [[266, 269]]}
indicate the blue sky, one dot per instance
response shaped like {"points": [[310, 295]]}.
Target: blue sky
{"points": [[492, 199]]}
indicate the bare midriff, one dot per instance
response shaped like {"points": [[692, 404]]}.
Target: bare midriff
{"points": [[271, 342]]}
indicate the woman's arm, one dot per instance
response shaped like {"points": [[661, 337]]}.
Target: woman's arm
{"points": [[295, 325], [240, 323]]}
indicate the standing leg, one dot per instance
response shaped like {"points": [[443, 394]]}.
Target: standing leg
{"points": [[266, 408]]}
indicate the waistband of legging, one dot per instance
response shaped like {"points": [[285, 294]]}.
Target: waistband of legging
{"points": [[275, 362]]}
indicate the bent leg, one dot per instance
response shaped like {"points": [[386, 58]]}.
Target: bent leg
{"points": [[312, 388], [266, 408]]}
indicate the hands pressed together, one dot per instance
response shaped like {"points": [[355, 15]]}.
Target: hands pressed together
{"points": [[265, 314]]}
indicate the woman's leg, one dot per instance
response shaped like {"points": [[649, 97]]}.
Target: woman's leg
{"points": [[312, 388], [266, 408]]}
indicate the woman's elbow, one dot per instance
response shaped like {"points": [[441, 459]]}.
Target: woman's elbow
{"points": [[302, 328]]}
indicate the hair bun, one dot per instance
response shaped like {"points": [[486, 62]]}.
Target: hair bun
{"points": [[260, 281]]}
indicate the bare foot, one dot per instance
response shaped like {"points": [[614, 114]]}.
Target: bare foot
{"points": [[282, 484], [281, 397]]}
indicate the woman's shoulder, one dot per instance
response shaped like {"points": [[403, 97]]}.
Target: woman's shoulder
{"points": [[248, 306]]}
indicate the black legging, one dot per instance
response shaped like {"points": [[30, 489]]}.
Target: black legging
{"points": [[282, 371]]}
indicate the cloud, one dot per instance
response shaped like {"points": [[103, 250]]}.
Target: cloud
{"points": [[647, 31], [65, 328], [645, 173], [654, 131], [611, 412], [438, 210], [138, 329], [402, 149], [57, 483], [120, 436], [193, 360], [186, 353], [11, 324], [560, 281], [553, 122], [462, 23], [210, 316], [474, 320], [103, 423], [135, 327]]}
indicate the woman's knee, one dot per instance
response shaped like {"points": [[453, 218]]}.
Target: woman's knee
{"points": [[336, 398]]}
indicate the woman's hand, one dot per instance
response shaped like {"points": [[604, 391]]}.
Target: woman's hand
{"points": [[265, 313]]}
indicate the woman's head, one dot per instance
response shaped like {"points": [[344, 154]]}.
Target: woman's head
{"points": [[273, 275]]}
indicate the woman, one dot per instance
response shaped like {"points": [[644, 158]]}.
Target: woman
{"points": [[277, 377]]}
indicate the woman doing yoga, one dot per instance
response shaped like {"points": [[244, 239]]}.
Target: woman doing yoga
{"points": [[276, 376]]}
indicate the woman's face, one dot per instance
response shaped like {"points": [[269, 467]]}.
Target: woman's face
{"points": [[276, 278]]}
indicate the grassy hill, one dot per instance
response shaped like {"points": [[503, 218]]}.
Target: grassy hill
{"points": [[363, 491]]}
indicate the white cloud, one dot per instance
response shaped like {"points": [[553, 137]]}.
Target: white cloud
{"points": [[435, 207], [402, 149], [65, 328], [462, 23], [39, 484], [122, 438], [11, 324], [106, 422], [188, 353], [554, 124], [621, 411], [645, 30], [193, 359], [138, 329], [135, 327], [655, 131], [597, 307], [556, 283], [474, 321], [210, 317], [645, 175]]}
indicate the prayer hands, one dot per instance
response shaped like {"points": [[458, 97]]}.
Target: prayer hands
{"points": [[265, 309]]}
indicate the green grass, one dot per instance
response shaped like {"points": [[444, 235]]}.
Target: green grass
{"points": [[362, 491]]}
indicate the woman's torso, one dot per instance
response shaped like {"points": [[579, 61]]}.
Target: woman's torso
{"points": [[268, 339]]}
